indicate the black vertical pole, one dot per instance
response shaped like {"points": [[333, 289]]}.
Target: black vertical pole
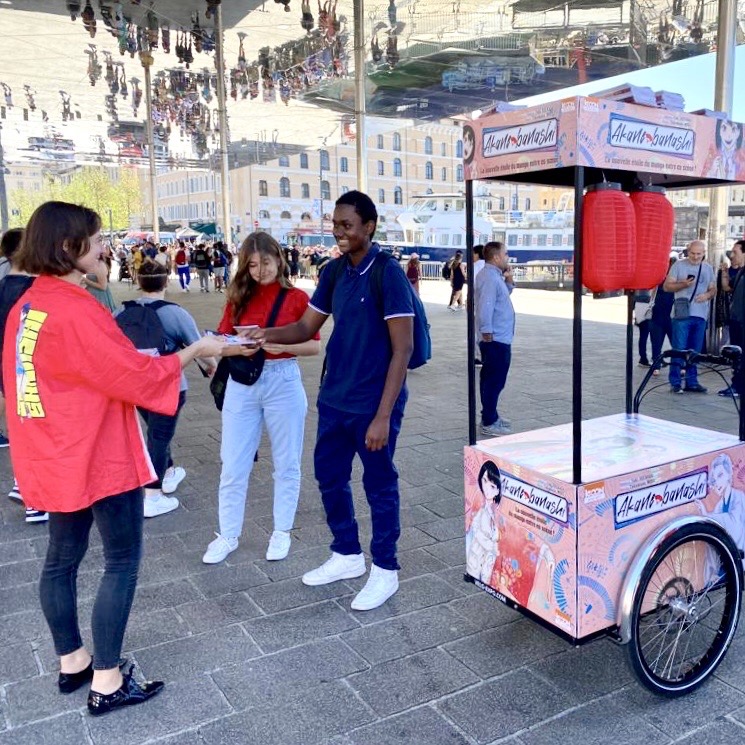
{"points": [[579, 188], [470, 328], [629, 349]]}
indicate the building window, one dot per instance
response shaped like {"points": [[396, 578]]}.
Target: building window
{"points": [[284, 187], [397, 166], [512, 239], [428, 146], [428, 174], [459, 149], [264, 215], [325, 160], [501, 203], [398, 196], [325, 190], [556, 239], [542, 239], [263, 189], [527, 203], [381, 168], [303, 160], [396, 141], [443, 149], [344, 164], [444, 174], [381, 144], [284, 161], [305, 191], [381, 196], [344, 189], [286, 215], [459, 172], [527, 239]]}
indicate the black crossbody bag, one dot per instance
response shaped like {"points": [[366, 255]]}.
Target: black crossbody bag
{"points": [[244, 370]]}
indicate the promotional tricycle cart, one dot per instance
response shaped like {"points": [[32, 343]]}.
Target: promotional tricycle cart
{"points": [[624, 525]]}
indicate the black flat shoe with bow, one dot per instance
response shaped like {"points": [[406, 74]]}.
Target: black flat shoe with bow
{"points": [[70, 682], [129, 694]]}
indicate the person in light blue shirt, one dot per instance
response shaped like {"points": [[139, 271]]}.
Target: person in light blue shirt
{"points": [[692, 280], [495, 325]]}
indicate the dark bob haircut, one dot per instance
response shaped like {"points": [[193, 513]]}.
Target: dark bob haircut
{"points": [[57, 235], [490, 470], [152, 276], [363, 206], [10, 242]]}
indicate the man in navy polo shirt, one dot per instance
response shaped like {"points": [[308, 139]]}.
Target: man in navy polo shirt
{"points": [[362, 397]]}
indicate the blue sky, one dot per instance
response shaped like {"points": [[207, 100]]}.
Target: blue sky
{"points": [[693, 78]]}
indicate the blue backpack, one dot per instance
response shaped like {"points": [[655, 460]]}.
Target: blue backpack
{"points": [[422, 351]]}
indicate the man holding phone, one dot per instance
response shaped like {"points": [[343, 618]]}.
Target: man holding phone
{"points": [[692, 280]]}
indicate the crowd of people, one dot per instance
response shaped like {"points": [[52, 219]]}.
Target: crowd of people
{"points": [[75, 376]]}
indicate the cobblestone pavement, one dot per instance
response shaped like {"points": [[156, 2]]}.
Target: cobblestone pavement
{"points": [[250, 655]]}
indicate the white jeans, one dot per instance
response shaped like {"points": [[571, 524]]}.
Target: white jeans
{"points": [[278, 399]]}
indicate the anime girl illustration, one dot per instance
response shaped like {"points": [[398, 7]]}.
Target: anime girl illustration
{"points": [[727, 159], [482, 538]]}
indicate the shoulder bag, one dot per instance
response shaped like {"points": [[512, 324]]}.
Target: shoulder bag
{"points": [[682, 305], [243, 370]]}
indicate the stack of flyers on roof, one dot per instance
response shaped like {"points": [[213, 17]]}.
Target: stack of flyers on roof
{"points": [[628, 93], [711, 113], [670, 101], [500, 107]]}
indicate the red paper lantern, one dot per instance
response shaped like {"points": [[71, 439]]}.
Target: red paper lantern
{"points": [[655, 222], [608, 238]]}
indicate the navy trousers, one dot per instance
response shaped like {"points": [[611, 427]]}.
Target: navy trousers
{"points": [[341, 435], [495, 364]]}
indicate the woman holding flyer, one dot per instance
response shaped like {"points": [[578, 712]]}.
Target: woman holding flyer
{"points": [[261, 295], [73, 380]]}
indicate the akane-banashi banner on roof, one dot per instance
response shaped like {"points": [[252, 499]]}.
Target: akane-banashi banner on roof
{"points": [[605, 134]]}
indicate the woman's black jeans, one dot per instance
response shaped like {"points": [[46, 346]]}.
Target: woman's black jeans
{"points": [[119, 521]]}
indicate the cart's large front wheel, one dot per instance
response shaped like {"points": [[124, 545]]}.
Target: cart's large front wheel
{"points": [[686, 609]]}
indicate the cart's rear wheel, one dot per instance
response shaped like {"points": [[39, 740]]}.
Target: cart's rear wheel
{"points": [[686, 609]]}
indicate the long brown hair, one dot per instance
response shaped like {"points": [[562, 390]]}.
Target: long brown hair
{"points": [[243, 286], [56, 236]]}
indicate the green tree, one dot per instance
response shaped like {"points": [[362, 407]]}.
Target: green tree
{"points": [[92, 187]]}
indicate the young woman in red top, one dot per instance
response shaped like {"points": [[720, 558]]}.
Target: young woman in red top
{"points": [[277, 399], [72, 381]]}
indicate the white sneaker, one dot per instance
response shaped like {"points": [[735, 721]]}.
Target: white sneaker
{"points": [[218, 550], [279, 545], [172, 478], [381, 584], [156, 503], [14, 493], [339, 566], [497, 429]]}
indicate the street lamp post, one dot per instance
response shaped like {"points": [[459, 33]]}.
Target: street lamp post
{"points": [[223, 118], [320, 184], [146, 58], [3, 193]]}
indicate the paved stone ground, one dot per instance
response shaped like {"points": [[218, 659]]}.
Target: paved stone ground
{"points": [[251, 655]]}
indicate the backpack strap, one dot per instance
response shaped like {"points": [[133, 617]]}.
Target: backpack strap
{"points": [[157, 304]]}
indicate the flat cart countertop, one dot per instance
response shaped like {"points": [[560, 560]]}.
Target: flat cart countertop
{"points": [[611, 446]]}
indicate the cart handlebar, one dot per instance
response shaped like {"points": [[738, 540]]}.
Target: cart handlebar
{"points": [[729, 356]]}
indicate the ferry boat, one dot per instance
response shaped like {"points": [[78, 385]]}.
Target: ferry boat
{"points": [[434, 227]]}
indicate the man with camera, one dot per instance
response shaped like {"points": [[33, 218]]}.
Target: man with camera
{"points": [[692, 280]]}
